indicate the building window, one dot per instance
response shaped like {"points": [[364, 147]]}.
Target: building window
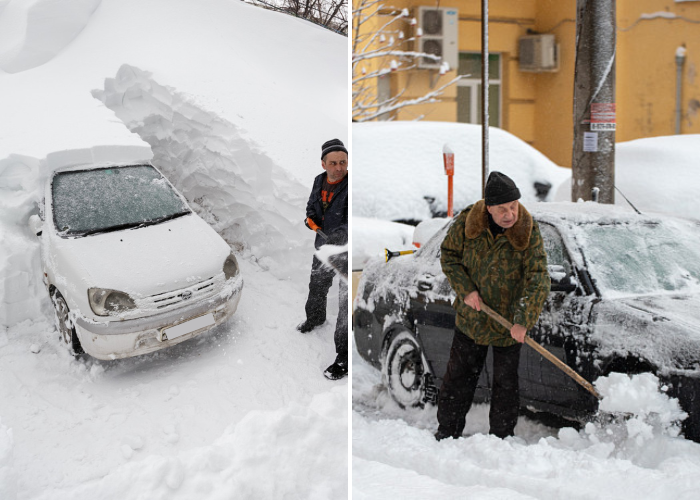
{"points": [[469, 89]]}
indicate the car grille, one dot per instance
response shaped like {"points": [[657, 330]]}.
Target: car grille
{"points": [[195, 292]]}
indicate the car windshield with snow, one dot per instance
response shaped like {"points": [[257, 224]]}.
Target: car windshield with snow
{"points": [[108, 199], [625, 297], [130, 268]]}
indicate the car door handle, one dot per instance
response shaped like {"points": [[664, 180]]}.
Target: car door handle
{"points": [[424, 286]]}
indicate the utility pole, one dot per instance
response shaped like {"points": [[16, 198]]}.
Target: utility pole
{"points": [[484, 95], [593, 162]]}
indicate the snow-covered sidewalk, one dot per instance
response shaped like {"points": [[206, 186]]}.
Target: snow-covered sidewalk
{"points": [[395, 456]]}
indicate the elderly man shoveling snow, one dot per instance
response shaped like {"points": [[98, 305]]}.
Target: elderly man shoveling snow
{"points": [[494, 254]]}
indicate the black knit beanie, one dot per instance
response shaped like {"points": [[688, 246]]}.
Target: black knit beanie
{"points": [[500, 189], [332, 145]]}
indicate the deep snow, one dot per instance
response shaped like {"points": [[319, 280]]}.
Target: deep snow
{"points": [[233, 103], [395, 454], [398, 164]]}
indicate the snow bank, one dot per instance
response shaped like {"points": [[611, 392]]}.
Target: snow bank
{"points": [[8, 480], [657, 174], [227, 178], [297, 450], [398, 164], [33, 32]]}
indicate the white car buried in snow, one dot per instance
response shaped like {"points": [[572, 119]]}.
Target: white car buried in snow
{"points": [[129, 266]]}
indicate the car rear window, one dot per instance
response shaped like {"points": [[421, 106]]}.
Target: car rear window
{"points": [[98, 200]]}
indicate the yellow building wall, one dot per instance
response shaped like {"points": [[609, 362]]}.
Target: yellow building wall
{"points": [[538, 107], [646, 68], [554, 101]]}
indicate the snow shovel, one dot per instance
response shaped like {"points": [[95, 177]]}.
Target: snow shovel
{"points": [[388, 254], [544, 352], [314, 227], [339, 261]]}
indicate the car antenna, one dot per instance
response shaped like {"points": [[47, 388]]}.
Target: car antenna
{"points": [[625, 197]]}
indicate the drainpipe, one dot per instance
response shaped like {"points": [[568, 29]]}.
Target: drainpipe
{"points": [[680, 60]]}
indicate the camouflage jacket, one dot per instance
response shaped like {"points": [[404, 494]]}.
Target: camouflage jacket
{"points": [[509, 272]]}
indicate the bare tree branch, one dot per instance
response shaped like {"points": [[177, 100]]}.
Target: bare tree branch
{"points": [[381, 51]]}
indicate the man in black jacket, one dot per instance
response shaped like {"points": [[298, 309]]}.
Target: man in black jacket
{"points": [[327, 210]]}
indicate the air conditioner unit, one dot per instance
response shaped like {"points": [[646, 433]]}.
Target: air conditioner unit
{"points": [[538, 53], [439, 28]]}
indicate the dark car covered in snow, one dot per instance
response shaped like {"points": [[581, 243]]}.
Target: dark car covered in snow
{"points": [[625, 297]]}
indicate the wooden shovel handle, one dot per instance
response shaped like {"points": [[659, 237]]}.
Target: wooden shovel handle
{"points": [[544, 352]]}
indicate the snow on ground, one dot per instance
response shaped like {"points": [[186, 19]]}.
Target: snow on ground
{"points": [[395, 454], [234, 103]]}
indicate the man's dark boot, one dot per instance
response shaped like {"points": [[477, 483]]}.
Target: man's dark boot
{"points": [[440, 435], [306, 326], [338, 370]]}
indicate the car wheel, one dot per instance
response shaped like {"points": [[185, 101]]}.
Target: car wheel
{"points": [[404, 371], [64, 324]]}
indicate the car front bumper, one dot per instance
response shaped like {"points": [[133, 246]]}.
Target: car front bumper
{"points": [[133, 337]]}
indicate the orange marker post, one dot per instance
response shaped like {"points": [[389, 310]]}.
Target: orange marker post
{"points": [[449, 159]]}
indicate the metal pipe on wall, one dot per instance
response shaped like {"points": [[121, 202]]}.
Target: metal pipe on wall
{"points": [[680, 61]]}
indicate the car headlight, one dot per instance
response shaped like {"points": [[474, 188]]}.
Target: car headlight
{"points": [[106, 302], [230, 266]]}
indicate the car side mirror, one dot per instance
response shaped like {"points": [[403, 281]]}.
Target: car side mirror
{"points": [[561, 281], [36, 224]]}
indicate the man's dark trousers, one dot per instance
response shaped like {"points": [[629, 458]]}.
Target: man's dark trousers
{"points": [[319, 284], [459, 385]]}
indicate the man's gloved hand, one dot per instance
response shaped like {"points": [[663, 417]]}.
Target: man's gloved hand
{"points": [[311, 224]]}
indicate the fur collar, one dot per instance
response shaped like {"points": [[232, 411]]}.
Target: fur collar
{"points": [[519, 235]]}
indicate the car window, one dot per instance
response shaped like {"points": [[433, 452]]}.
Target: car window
{"points": [[97, 200], [557, 258], [431, 249], [646, 258]]}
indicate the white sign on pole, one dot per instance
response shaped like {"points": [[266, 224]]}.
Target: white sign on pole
{"points": [[590, 142]]}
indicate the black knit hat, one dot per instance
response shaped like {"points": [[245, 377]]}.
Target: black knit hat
{"points": [[332, 145], [500, 189]]}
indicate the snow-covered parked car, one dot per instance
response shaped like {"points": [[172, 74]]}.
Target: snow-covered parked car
{"points": [[130, 268], [625, 297], [408, 156]]}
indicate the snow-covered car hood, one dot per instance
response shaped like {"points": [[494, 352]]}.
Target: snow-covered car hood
{"points": [[662, 329], [148, 260]]}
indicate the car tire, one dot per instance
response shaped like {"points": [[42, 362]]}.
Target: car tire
{"points": [[404, 371], [64, 324]]}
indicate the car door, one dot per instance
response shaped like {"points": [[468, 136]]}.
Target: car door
{"points": [[561, 330]]}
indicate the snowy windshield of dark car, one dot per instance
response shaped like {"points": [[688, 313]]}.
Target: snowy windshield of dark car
{"points": [[108, 199], [639, 259]]}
